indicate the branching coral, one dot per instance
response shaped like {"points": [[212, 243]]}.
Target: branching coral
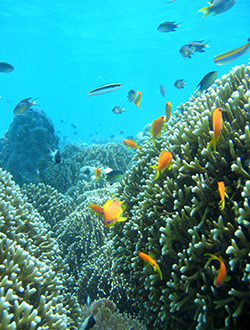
{"points": [[33, 275], [66, 174], [178, 219], [113, 320]]}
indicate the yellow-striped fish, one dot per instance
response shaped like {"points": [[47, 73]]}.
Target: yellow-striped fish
{"points": [[107, 88], [232, 55]]}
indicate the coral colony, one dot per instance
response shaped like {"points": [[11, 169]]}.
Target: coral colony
{"points": [[55, 249]]}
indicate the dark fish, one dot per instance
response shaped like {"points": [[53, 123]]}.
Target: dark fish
{"points": [[112, 136], [206, 82], [24, 106], [62, 120], [73, 125], [6, 67], [115, 176], [168, 26], [117, 110], [121, 132], [75, 133], [55, 155], [88, 323], [186, 51], [180, 83], [198, 46], [162, 90]]}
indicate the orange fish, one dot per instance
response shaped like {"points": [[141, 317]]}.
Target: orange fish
{"points": [[97, 173], [223, 194], [222, 271], [96, 208], [113, 212], [152, 262], [137, 101], [168, 110], [217, 126], [164, 162], [131, 143], [156, 127]]}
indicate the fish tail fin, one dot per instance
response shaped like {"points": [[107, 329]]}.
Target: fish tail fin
{"points": [[150, 139], [222, 204], [122, 219], [206, 11], [34, 101], [157, 172], [212, 142], [157, 269]]}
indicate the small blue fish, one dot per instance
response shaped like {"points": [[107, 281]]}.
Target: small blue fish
{"points": [[107, 88], [186, 51], [232, 55]]}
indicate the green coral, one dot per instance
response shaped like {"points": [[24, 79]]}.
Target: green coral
{"points": [[33, 275], [178, 219]]}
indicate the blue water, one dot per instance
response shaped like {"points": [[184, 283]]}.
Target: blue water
{"points": [[62, 49]]}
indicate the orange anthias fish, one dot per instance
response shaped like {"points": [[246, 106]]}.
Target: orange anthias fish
{"points": [[131, 143], [113, 212], [163, 163], [217, 125], [97, 173], [137, 101], [222, 271], [223, 194], [152, 262], [156, 127], [96, 208], [168, 110]]}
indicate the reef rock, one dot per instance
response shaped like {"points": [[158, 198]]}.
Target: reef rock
{"points": [[28, 139]]}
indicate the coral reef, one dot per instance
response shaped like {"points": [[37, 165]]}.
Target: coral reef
{"points": [[113, 320], [34, 277], [74, 158], [177, 218], [27, 141]]}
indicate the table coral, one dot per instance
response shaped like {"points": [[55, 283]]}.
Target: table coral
{"points": [[178, 218]]}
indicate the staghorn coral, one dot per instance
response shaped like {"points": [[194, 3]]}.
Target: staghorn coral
{"points": [[177, 218], [33, 275], [66, 174]]}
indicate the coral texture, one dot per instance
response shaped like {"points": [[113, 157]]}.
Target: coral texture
{"points": [[74, 158], [178, 219], [28, 139], [113, 320], [33, 275]]}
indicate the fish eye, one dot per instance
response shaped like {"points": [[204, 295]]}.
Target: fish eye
{"points": [[108, 221]]}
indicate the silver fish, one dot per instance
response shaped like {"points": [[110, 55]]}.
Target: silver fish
{"points": [[217, 6], [107, 88]]}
